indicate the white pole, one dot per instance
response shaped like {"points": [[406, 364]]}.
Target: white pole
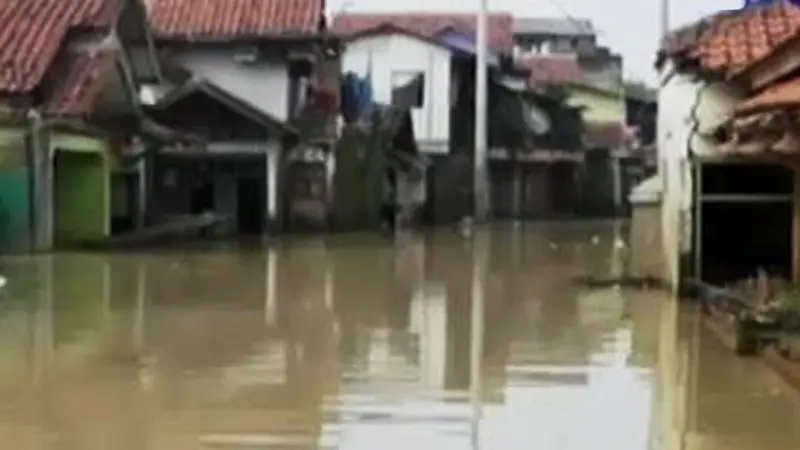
{"points": [[481, 183], [664, 17], [476, 338]]}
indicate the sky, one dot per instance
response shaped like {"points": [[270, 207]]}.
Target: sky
{"points": [[630, 27]]}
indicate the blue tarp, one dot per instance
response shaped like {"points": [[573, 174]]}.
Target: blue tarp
{"points": [[464, 43], [758, 3], [356, 97]]}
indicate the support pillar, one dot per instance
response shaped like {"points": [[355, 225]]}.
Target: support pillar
{"points": [[516, 193], [330, 185], [142, 189], [616, 180], [42, 162], [272, 162]]}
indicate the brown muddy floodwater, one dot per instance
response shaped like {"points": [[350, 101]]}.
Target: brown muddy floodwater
{"points": [[366, 343]]}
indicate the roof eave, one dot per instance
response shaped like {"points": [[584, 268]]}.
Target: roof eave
{"points": [[245, 38]]}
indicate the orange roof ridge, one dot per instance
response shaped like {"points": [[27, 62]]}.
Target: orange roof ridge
{"points": [[730, 42], [779, 96]]}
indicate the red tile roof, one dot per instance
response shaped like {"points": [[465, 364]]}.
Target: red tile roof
{"points": [[552, 68], [782, 95], [32, 31], [191, 19], [78, 89], [730, 41], [429, 24]]}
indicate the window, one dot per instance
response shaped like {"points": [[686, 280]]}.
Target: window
{"points": [[408, 89]]}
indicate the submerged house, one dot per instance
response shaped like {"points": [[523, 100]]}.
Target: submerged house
{"points": [[436, 53], [258, 82], [727, 145], [590, 77], [539, 179], [71, 122]]}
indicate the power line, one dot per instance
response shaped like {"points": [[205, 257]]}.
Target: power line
{"points": [[579, 25]]}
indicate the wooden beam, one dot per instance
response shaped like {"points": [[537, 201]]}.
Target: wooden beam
{"points": [[782, 62]]}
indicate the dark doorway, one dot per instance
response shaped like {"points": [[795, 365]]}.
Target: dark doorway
{"points": [[741, 238], [745, 221], [124, 193], [250, 207], [202, 198], [562, 189]]}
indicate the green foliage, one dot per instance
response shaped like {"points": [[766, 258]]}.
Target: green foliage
{"points": [[358, 180], [788, 300]]}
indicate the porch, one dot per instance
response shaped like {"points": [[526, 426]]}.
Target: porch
{"points": [[236, 171]]}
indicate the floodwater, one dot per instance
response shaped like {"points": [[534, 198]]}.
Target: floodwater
{"points": [[369, 342]]}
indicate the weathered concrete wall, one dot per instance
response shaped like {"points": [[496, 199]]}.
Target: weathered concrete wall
{"points": [[389, 59], [600, 107], [265, 84], [645, 240], [689, 110]]}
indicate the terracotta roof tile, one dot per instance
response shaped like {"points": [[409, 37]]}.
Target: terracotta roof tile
{"points": [[31, 33], [552, 68], [83, 78], [732, 40], [234, 18], [499, 25], [782, 95]]}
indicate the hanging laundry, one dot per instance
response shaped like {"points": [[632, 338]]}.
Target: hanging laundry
{"points": [[356, 95]]}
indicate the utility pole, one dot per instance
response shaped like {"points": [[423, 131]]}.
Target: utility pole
{"points": [[480, 176], [664, 17]]}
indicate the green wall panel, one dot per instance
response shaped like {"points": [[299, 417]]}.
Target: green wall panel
{"points": [[81, 197], [14, 209]]}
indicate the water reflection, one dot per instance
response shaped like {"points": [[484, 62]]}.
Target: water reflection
{"points": [[363, 342]]}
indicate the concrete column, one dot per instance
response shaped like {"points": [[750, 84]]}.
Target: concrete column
{"points": [[616, 180], [42, 204], [517, 191], [330, 174], [273, 188], [142, 191]]}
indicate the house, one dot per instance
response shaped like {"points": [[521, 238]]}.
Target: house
{"points": [[727, 148], [261, 86], [386, 50], [70, 119], [551, 35], [592, 83], [538, 179]]}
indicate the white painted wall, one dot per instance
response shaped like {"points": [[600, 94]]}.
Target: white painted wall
{"points": [[382, 55], [689, 110], [264, 84]]}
